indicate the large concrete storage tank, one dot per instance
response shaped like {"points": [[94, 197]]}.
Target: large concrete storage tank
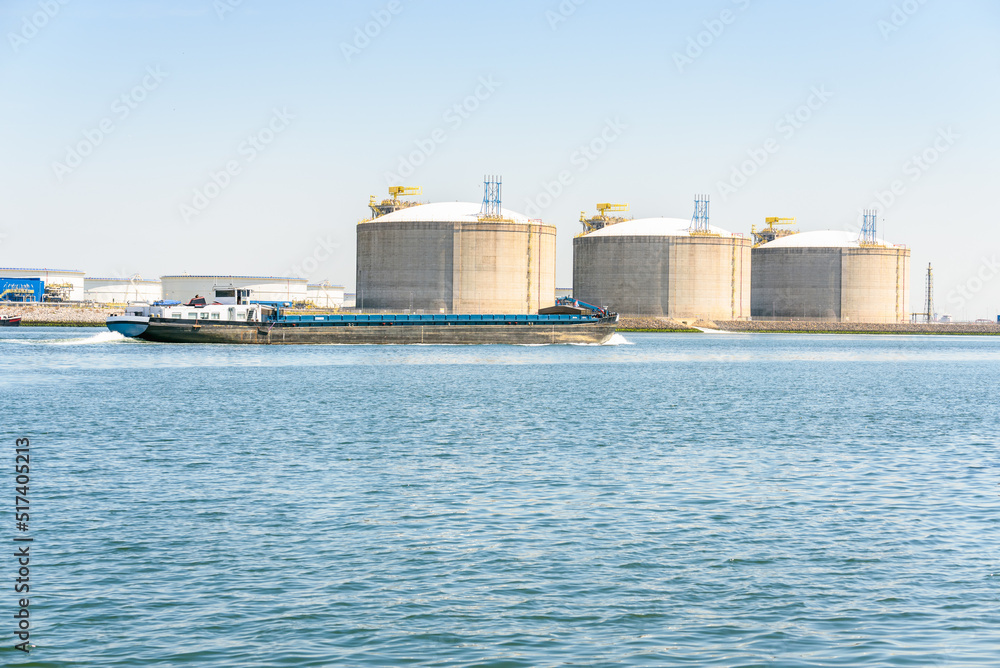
{"points": [[830, 275], [447, 257], [657, 266]]}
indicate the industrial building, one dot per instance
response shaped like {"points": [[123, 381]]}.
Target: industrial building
{"points": [[831, 275], [265, 288], [454, 257], [22, 290], [56, 285], [672, 267], [121, 290], [325, 295]]}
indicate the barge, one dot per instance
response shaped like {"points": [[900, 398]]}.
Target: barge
{"points": [[235, 318]]}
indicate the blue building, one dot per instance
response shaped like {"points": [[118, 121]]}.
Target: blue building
{"points": [[21, 289]]}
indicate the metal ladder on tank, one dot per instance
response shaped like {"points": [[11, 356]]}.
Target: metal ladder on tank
{"points": [[732, 302], [530, 261]]}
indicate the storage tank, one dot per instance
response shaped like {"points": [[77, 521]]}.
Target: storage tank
{"points": [[830, 275], [657, 266], [325, 295], [264, 288], [449, 258], [121, 290]]}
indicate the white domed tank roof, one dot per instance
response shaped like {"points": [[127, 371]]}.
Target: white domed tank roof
{"points": [[651, 227], [821, 239], [446, 212]]}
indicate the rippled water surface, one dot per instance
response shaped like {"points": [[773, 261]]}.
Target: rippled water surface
{"points": [[701, 500]]}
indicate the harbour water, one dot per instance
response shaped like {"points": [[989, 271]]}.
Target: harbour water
{"points": [[692, 500]]}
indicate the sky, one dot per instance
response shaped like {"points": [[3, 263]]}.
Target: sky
{"points": [[246, 136]]}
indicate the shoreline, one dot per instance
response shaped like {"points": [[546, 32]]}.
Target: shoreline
{"points": [[808, 331], [651, 324], [79, 315], [60, 324]]}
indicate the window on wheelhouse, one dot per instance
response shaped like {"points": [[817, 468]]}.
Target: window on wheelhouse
{"points": [[232, 295]]}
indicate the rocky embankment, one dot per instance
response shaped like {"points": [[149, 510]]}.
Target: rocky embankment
{"points": [[71, 315], [651, 323], [857, 327], [635, 323]]}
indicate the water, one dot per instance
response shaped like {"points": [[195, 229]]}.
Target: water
{"points": [[724, 500]]}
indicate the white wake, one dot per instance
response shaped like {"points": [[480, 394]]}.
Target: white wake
{"points": [[616, 340], [99, 338]]}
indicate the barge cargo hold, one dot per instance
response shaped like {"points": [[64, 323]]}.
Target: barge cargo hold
{"points": [[236, 319]]}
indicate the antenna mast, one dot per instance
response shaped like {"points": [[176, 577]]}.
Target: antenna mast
{"points": [[699, 221], [929, 302], [869, 228], [492, 196]]}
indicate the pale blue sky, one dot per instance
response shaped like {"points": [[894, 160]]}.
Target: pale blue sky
{"points": [[676, 130]]}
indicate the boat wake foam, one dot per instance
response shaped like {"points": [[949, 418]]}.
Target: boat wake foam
{"points": [[616, 340], [100, 337]]}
